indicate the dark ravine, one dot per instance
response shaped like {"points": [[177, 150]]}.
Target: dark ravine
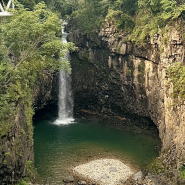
{"points": [[113, 77], [16, 147]]}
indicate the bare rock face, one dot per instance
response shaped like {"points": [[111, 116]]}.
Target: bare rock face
{"points": [[46, 91], [119, 78]]}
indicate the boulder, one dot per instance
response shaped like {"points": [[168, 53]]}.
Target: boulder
{"points": [[137, 176], [82, 183], [69, 179]]}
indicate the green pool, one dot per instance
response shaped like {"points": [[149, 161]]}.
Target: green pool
{"points": [[59, 148]]}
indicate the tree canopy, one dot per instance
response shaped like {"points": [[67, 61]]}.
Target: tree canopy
{"points": [[140, 18]]}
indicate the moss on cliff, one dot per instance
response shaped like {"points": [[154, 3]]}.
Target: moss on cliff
{"points": [[177, 75], [141, 72], [156, 166]]}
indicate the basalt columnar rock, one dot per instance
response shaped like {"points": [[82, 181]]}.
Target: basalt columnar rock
{"points": [[16, 150], [115, 77], [45, 93], [16, 146]]}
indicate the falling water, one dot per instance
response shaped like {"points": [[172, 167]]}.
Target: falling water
{"points": [[65, 103]]}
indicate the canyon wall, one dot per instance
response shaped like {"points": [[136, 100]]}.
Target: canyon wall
{"points": [[117, 78], [16, 146]]}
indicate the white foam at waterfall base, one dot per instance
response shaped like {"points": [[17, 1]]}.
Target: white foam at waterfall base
{"points": [[65, 121]]}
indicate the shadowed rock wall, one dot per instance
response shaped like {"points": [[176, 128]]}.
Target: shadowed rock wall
{"points": [[114, 77]]}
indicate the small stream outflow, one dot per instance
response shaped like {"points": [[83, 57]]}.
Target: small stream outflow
{"points": [[65, 103]]}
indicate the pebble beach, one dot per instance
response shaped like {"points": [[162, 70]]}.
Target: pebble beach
{"points": [[104, 171]]}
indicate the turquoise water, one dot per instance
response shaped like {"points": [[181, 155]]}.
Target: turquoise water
{"points": [[59, 148]]}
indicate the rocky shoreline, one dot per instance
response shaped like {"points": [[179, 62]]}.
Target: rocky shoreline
{"points": [[109, 172]]}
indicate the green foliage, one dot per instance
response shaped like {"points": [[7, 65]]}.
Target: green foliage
{"points": [[121, 20], [30, 45], [30, 171], [89, 15], [129, 72], [65, 8], [177, 75], [154, 14], [140, 18], [156, 166], [152, 5], [141, 72], [7, 154], [22, 182], [182, 172], [28, 3], [5, 162], [126, 6]]}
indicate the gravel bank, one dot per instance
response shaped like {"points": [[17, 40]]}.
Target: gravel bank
{"points": [[104, 171]]}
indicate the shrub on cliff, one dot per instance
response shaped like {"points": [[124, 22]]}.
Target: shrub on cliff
{"points": [[177, 76], [155, 14], [89, 15], [121, 20]]}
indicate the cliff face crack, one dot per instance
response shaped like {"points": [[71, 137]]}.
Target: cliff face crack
{"points": [[144, 58]]}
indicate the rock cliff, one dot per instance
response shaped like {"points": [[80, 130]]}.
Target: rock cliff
{"points": [[114, 77], [16, 146]]}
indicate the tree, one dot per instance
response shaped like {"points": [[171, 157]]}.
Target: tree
{"points": [[28, 3], [152, 5], [90, 14], [127, 6], [31, 46]]}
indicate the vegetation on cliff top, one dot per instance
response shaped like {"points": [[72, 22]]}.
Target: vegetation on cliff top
{"points": [[140, 18], [30, 47]]}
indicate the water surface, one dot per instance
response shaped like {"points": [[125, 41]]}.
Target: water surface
{"points": [[59, 148]]}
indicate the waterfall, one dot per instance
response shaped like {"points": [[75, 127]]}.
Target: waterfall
{"points": [[65, 97]]}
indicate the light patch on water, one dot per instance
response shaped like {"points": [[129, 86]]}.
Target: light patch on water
{"points": [[65, 121]]}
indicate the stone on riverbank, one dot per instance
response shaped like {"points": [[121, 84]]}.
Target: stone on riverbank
{"points": [[69, 179], [82, 183], [104, 171], [137, 176]]}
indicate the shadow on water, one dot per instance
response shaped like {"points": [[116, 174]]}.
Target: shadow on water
{"points": [[59, 148]]}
